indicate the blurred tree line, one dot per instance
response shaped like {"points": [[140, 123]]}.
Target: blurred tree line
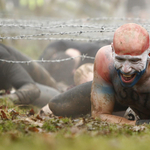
{"points": [[60, 8]]}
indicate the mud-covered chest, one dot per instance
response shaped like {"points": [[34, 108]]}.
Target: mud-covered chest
{"points": [[138, 101], [129, 96]]}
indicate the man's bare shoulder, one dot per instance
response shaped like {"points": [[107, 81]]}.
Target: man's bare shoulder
{"points": [[105, 50], [104, 62]]}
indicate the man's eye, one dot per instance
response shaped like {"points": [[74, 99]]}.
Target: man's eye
{"points": [[134, 60], [120, 59]]}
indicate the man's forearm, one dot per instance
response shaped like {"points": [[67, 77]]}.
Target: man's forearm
{"points": [[115, 119]]}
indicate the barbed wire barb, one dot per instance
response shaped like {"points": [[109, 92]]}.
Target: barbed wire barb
{"points": [[84, 56], [46, 61]]}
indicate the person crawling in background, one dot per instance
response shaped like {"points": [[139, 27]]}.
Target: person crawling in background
{"points": [[33, 84], [63, 72], [121, 76]]}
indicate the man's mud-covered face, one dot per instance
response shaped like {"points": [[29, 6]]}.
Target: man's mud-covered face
{"points": [[130, 68], [130, 52]]}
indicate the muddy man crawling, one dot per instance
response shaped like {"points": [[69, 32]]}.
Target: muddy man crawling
{"points": [[121, 78]]}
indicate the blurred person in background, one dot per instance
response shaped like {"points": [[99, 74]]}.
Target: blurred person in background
{"points": [[32, 83], [63, 72]]}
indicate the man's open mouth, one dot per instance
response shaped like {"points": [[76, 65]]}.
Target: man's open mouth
{"points": [[127, 78]]}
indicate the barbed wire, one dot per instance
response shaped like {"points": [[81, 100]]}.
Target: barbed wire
{"points": [[66, 33], [54, 33], [51, 29], [95, 26], [49, 26], [46, 61], [56, 39], [60, 33], [48, 20]]}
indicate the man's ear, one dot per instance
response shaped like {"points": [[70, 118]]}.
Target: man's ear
{"points": [[112, 46], [149, 54], [113, 51]]}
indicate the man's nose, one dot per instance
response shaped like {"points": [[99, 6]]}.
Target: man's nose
{"points": [[126, 67]]}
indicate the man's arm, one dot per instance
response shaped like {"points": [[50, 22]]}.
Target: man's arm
{"points": [[102, 103], [102, 92]]}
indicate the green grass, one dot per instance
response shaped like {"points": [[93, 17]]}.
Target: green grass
{"points": [[47, 141], [31, 132], [59, 133]]}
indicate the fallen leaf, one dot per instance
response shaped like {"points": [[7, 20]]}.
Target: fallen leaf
{"points": [[14, 114], [39, 118], [138, 128], [3, 115], [31, 112], [80, 123], [3, 107], [33, 129]]}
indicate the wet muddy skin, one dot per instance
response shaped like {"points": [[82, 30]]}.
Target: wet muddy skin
{"points": [[76, 102]]}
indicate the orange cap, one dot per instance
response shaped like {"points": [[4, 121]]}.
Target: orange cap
{"points": [[130, 39]]}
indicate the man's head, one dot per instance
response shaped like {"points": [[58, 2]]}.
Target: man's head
{"points": [[130, 52]]}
